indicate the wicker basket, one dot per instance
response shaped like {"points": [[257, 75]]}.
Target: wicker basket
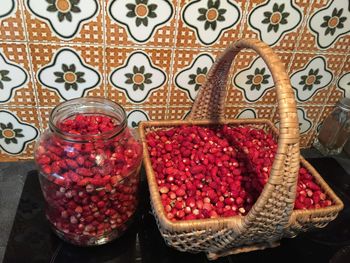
{"points": [[272, 217]]}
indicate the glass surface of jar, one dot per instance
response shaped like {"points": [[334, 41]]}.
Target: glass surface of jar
{"points": [[89, 163], [347, 147], [335, 130]]}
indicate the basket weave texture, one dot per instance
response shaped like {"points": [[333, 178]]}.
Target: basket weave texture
{"points": [[272, 216]]}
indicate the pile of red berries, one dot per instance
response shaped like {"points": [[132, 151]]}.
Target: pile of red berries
{"points": [[210, 172]]}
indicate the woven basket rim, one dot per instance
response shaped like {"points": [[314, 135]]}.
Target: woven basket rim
{"points": [[221, 222], [338, 203]]}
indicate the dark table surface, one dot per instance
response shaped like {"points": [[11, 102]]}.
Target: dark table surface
{"points": [[31, 240]]}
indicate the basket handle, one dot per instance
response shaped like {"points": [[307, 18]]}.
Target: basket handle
{"points": [[271, 212]]}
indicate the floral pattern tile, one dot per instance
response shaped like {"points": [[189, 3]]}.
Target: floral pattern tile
{"points": [[20, 91], [330, 23], [182, 88], [135, 116], [275, 18], [313, 77], [15, 134], [12, 27], [65, 17], [12, 77], [138, 78], [117, 58], [344, 84], [210, 18], [246, 114], [193, 77], [6, 8], [68, 75], [333, 63], [340, 87], [304, 122], [157, 35], [254, 81], [141, 18], [239, 87]]}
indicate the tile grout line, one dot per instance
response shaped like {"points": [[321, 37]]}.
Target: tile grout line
{"points": [[240, 35], [303, 26], [51, 42], [31, 68], [177, 16], [104, 60], [142, 47], [297, 44], [338, 76], [334, 82], [244, 19], [319, 52], [175, 106]]}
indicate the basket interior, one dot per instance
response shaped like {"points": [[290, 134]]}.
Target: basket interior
{"points": [[264, 124]]}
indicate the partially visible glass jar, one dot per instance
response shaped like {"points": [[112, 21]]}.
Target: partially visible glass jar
{"points": [[89, 181], [335, 130], [347, 147]]}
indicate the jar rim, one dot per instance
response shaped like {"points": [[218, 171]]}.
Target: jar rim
{"points": [[72, 107]]}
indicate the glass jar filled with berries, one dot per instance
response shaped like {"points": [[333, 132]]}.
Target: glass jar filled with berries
{"points": [[89, 163]]}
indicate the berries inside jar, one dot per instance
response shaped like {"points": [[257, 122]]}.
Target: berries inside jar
{"points": [[89, 171], [210, 172]]}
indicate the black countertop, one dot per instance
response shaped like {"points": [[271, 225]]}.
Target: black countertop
{"points": [[31, 239]]}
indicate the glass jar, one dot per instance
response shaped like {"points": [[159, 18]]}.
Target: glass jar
{"points": [[335, 129], [347, 147], [90, 181]]}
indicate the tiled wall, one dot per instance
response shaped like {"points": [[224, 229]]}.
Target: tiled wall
{"points": [[152, 55]]}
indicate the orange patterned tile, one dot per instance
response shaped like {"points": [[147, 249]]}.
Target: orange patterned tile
{"points": [[252, 81], [19, 90], [189, 73], [44, 115], [342, 87], [250, 111], [11, 28], [64, 21], [219, 30], [326, 67], [136, 114], [138, 76], [178, 112], [279, 28], [51, 92], [316, 36], [156, 29], [26, 122]]}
